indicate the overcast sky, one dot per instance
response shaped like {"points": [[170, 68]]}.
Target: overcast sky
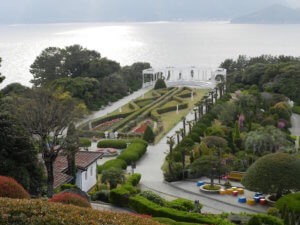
{"points": [[35, 11]]}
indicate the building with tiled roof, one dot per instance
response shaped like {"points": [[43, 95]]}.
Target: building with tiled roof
{"points": [[86, 164]]}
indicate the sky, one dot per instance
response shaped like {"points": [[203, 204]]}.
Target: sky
{"points": [[43, 11]]}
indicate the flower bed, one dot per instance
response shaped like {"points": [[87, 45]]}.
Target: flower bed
{"points": [[142, 128], [209, 190], [106, 125]]}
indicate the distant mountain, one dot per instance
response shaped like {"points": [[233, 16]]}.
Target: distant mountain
{"points": [[56, 11], [275, 14]]}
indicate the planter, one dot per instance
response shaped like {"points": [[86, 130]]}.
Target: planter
{"points": [[269, 201], [202, 189]]}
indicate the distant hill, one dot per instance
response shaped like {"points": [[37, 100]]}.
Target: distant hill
{"points": [[275, 14]]}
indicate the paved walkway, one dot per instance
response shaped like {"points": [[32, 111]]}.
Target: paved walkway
{"points": [[114, 106], [108, 207], [295, 129]]}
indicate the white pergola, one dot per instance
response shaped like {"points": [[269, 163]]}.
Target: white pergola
{"points": [[184, 76]]}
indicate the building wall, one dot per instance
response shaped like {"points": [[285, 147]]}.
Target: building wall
{"points": [[85, 180]]}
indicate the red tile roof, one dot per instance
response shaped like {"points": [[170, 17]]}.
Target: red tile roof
{"points": [[83, 160]]}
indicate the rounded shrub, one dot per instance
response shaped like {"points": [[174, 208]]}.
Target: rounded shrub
{"points": [[274, 173], [70, 199], [85, 142], [118, 144], [183, 205], [134, 179], [254, 221], [10, 188], [289, 203]]}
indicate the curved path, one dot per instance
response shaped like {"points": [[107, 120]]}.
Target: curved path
{"points": [[152, 179]]}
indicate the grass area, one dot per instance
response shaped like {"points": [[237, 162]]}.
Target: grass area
{"points": [[171, 103], [171, 119], [125, 109], [149, 94], [214, 188], [144, 103]]}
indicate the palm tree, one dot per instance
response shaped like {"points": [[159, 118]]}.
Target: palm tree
{"points": [[178, 136], [190, 126], [171, 143], [184, 128], [195, 112]]}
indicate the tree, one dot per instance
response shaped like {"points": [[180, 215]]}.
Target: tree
{"points": [[171, 143], [72, 147], [184, 148], [274, 174], [14, 89], [46, 116], [113, 176], [149, 135], [18, 156], [206, 165], [160, 83], [237, 136]]}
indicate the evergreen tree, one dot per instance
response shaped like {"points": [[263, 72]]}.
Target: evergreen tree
{"points": [[160, 83], [237, 135], [149, 135], [72, 146]]}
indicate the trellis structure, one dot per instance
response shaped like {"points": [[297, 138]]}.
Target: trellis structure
{"points": [[184, 76]]}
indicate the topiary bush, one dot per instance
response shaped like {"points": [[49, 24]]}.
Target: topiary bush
{"points": [[151, 196], [134, 179], [274, 173], [118, 144], [183, 205], [289, 204], [160, 83], [149, 135], [10, 188], [69, 198], [36, 212], [119, 197], [114, 163], [102, 195]]}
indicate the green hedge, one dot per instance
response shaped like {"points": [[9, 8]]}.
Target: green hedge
{"points": [[269, 220], [134, 179], [172, 108], [118, 144], [85, 142], [119, 197], [182, 205], [171, 222], [290, 202], [133, 152], [114, 163], [133, 106], [144, 206]]}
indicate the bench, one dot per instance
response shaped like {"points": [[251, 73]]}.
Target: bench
{"points": [[233, 175]]}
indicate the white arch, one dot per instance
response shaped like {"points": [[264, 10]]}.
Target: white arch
{"points": [[202, 77]]}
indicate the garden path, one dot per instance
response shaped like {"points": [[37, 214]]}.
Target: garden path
{"points": [[152, 179]]}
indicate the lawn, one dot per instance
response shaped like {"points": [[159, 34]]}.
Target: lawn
{"points": [[171, 119]]}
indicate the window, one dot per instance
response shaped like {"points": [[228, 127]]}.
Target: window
{"points": [[92, 167], [85, 175]]}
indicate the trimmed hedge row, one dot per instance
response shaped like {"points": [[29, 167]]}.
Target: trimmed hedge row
{"points": [[144, 206], [114, 163], [142, 112], [296, 109], [118, 144], [85, 142], [172, 108], [171, 222], [133, 106], [133, 152], [120, 196], [37, 212]]}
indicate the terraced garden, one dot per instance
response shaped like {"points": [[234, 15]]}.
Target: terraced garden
{"points": [[157, 109]]}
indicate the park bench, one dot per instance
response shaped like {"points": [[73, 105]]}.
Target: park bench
{"points": [[234, 175]]}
